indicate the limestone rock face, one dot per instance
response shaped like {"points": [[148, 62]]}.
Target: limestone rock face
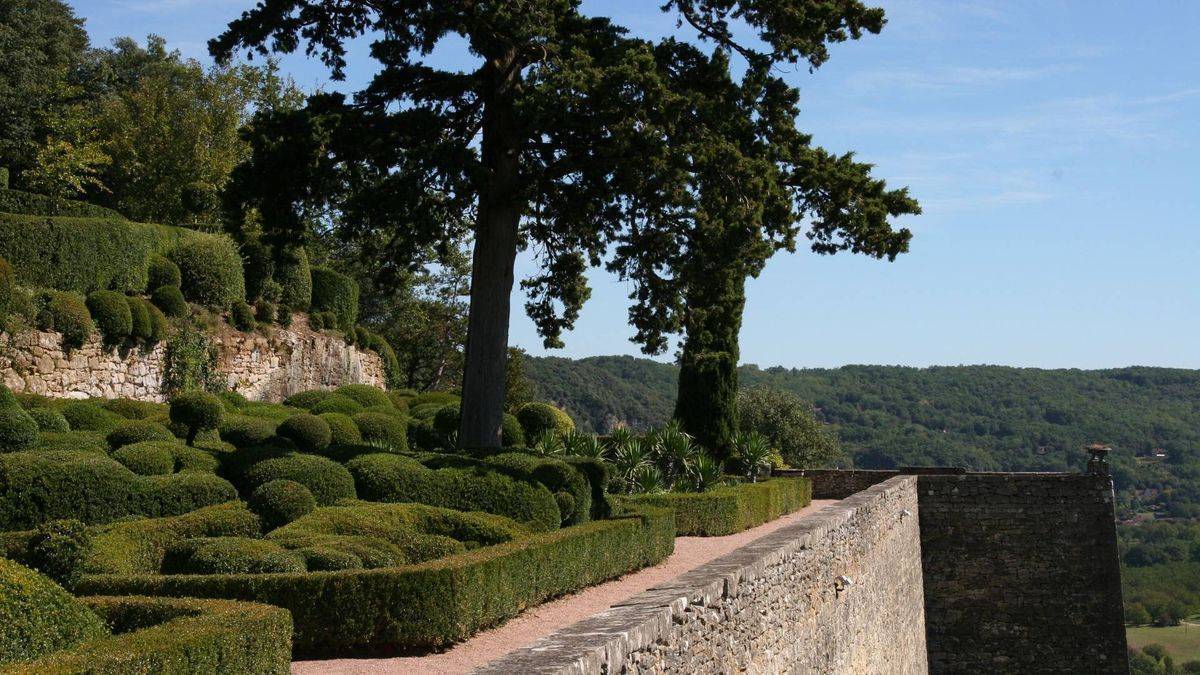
{"points": [[269, 364]]}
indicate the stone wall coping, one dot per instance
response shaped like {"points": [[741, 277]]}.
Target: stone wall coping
{"points": [[639, 621]]}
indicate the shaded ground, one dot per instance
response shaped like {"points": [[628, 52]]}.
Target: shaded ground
{"points": [[540, 621]]}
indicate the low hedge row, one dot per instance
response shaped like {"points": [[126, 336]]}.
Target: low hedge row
{"points": [[730, 509], [435, 603], [161, 635], [30, 204]]}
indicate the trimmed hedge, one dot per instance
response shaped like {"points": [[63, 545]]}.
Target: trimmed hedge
{"points": [[731, 509], [245, 431], [326, 479], [365, 395], [138, 431], [170, 300], [334, 292], [539, 418], [231, 555], [197, 411], [306, 399], [211, 270], [383, 429], [556, 475], [38, 617], [310, 433], [139, 546], [68, 314], [162, 272], [279, 502], [392, 478], [91, 442], [146, 459], [111, 313], [49, 420], [139, 315], [161, 635], [337, 403], [132, 409], [436, 603], [342, 429], [294, 276], [31, 204], [18, 430], [242, 316]]}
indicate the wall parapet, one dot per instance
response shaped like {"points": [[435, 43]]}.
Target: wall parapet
{"points": [[838, 591]]}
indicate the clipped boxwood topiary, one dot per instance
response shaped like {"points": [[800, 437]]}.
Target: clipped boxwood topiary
{"points": [[327, 480], [58, 549], [74, 441], [343, 430], [310, 433], [211, 272], [232, 555], [244, 431], [539, 418], [242, 316], [170, 300], [380, 429], [511, 433], [138, 431], [337, 293], [365, 395], [294, 276], [159, 326], [8, 288], [68, 314], [133, 410], [196, 410], [146, 459], [162, 272], [279, 502], [87, 416], [110, 311], [38, 617], [49, 419], [18, 430], [140, 326], [337, 403], [182, 492], [306, 399]]}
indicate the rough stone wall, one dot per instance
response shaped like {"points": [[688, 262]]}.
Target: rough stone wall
{"points": [[841, 483], [772, 606], [1021, 574], [263, 366]]}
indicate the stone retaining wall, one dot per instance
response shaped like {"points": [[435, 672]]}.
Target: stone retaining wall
{"points": [[839, 591], [265, 365]]}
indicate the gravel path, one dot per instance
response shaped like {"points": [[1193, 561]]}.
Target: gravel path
{"points": [[540, 621]]}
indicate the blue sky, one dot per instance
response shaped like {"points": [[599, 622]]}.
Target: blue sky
{"points": [[1053, 146]]}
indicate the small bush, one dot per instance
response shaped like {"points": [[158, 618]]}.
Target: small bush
{"points": [[539, 418], [85, 416], [306, 399], [68, 314], [162, 272], [279, 502], [232, 555], [8, 288], [264, 311], [337, 293], [18, 430], [58, 549], [294, 276], [170, 300], [422, 436], [343, 430], [211, 272], [732, 509], [283, 315], [388, 430], [137, 432], [316, 321], [146, 459], [133, 410], [329, 320], [400, 398], [159, 326], [111, 313], [243, 431], [140, 327], [242, 316], [91, 442], [362, 337], [365, 395], [234, 402], [196, 410], [337, 403], [182, 492], [556, 475], [446, 421], [512, 434], [310, 433], [37, 617], [327, 480], [49, 419]]}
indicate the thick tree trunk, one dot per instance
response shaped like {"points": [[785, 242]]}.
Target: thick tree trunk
{"points": [[492, 264]]}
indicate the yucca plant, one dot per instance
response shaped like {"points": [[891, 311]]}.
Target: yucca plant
{"points": [[646, 480], [754, 452], [676, 452], [549, 444], [707, 473], [627, 458], [579, 444]]}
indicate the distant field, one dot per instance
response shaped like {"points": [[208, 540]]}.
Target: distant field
{"points": [[1182, 642]]}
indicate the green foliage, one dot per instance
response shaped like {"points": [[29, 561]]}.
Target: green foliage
{"points": [[211, 270], [279, 502], [316, 321], [231, 555], [512, 434], [556, 475], [310, 433], [337, 293], [137, 432], [86, 416], [146, 459], [241, 315], [752, 455], [132, 409], [162, 635], [140, 327], [139, 546], [540, 418], [31, 204], [365, 395], [444, 601], [170, 300], [788, 424], [384, 430], [343, 430], [18, 430], [7, 289], [264, 311], [294, 276], [49, 420], [111, 314], [37, 617], [244, 431], [68, 314], [306, 399], [58, 549], [191, 361], [731, 509], [162, 272], [160, 328], [197, 411], [335, 402], [327, 480], [393, 478]]}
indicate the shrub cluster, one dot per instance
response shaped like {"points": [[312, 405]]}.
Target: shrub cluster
{"points": [[337, 293], [68, 314], [244, 431], [87, 416], [310, 433], [37, 617], [383, 430], [241, 315], [538, 419], [18, 430], [111, 314], [230, 555], [162, 272], [138, 431], [342, 429], [279, 502], [337, 403], [170, 300], [49, 420], [211, 272], [196, 411], [731, 509], [31, 204], [327, 480], [365, 395]]}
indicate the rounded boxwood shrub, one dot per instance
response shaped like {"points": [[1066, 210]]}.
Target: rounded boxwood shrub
{"points": [[196, 410], [162, 272], [440, 398], [306, 399], [232, 555], [140, 326], [281, 501], [327, 480], [309, 432], [326, 559], [234, 402], [211, 271], [365, 395], [316, 321], [342, 429], [511, 433], [87, 416], [39, 486], [400, 398], [386, 430], [182, 457], [38, 617], [182, 492], [283, 316], [446, 420], [132, 409], [337, 403], [264, 311], [538, 418], [294, 276], [49, 419], [18, 430], [159, 326], [58, 549], [137, 432], [242, 316], [146, 459], [110, 311], [243, 431], [74, 441], [68, 314], [337, 293], [170, 300]]}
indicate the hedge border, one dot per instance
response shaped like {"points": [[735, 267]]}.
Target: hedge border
{"points": [[157, 635], [731, 509], [32, 204], [436, 603]]}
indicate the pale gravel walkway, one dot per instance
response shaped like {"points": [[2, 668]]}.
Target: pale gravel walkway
{"points": [[540, 621]]}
